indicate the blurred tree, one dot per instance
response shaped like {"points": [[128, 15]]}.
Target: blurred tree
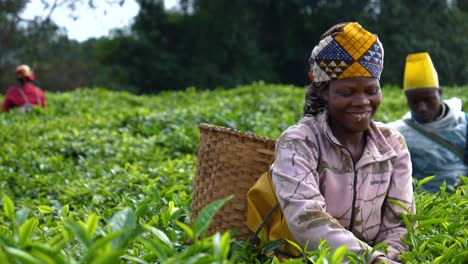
{"points": [[9, 34], [284, 32], [174, 50], [60, 63], [462, 4], [49, 7], [144, 56], [229, 39], [423, 25], [288, 30], [225, 43]]}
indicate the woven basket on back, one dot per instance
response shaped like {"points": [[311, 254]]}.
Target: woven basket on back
{"points": [[229, 162]]}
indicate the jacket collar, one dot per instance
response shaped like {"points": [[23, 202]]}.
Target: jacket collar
{"points": [[377, 148]]}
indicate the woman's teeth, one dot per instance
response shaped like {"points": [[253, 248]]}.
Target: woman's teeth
{"points": [[360, 116]]}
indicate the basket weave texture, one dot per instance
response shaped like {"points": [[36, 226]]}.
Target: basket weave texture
{"points": [[229, 162]]}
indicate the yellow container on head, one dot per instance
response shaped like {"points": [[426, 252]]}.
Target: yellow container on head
{"points": [[419, 72]]}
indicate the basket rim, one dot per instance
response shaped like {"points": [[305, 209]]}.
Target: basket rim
{"points": [[235, 132]]}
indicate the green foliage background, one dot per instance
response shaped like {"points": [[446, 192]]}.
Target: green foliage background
{"points": [[209, 43], [106, 177]]}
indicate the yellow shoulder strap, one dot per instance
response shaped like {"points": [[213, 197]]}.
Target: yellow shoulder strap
{"points": [[265, 215]]}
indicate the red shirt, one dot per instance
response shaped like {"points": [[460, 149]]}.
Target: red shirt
{"points": [[14, 98]]}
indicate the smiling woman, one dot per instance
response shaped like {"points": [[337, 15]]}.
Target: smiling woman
{"points": [[336, 168]]}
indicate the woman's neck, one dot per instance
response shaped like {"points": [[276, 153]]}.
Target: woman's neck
{"points": [[354, 142]]}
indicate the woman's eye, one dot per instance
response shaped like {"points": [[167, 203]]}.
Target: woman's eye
{"points": [[372, 92]]}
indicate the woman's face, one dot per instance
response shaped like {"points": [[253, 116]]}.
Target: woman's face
{"points": [[352, 103]]}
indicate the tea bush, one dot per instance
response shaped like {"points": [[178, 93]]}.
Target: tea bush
{"points": [[106, 177]]}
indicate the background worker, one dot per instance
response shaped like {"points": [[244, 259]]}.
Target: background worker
{"points": [[435, 130], [25, 95]]}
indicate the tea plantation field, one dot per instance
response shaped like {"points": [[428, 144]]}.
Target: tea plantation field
{"points": [[106, 177]]}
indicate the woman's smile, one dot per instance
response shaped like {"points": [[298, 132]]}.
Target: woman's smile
{"points": [[361, 115]]}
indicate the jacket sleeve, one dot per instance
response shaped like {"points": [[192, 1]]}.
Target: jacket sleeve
{"points": [[297, 188], [392, 228]]}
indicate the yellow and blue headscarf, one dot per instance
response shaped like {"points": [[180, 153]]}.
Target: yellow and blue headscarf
{"points": [[351, 51]]}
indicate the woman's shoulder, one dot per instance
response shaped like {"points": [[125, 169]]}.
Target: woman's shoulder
{"points": [[389, 133], [306, 124], [12, 90], [305, 127], [386, 128]]}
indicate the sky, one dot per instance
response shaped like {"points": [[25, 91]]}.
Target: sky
{"points": [[90, 23]]}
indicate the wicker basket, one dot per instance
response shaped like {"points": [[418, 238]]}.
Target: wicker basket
{"points": [[229, 162]]}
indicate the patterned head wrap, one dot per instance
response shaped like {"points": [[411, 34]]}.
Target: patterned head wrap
{"points": [[24, 73], [347, 50], [419, 72]]}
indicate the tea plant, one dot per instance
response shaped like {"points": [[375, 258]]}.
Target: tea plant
{"points": [[106, 177]]}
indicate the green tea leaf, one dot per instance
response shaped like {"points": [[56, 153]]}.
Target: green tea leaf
{"points": [[107, 257], [45, 209], [204, 218], [9, 208], [399, 204], [186, 229], [161, 236], [339, 254], [26, 230], [141, 210], [22, 215], [3, 257], [200, 258], [91, 225], [381, 246], [124, 219], [24, 256], [434, 221], [217, 246], [156, 247], [424, 181], [78, 232], [295, 245], [47, 254], [65, 211], [102, 243], [225, 245]]}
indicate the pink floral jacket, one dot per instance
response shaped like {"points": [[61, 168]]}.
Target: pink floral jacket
{"points": [[326, 196]]}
